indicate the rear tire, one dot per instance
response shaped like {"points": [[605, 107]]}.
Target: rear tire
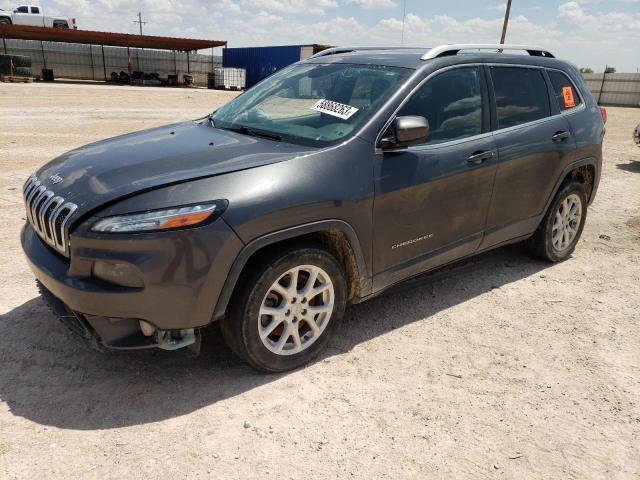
{"points": [[558, 234], [18, 61], [274, 324]]}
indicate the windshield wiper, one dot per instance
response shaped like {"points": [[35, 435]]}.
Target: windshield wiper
{"points": [[254, 133]]}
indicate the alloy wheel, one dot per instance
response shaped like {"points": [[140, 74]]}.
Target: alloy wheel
{"points": [[296, 310], [566, 223]]}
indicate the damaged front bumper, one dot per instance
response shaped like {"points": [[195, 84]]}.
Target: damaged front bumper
{"points": [[181, 274], [119, 333]]}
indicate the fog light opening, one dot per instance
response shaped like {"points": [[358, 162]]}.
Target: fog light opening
{"points": [[117, 273], [175, 339], [146, 328]]}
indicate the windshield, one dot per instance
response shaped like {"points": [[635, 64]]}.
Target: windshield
{"points": [[312, 104]]}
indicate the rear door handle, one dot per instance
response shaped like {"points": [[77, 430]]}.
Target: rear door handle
{"points": [[479, 157], [560, 136]]}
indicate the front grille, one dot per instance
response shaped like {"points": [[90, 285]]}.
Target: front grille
{"points": [[49, 214]]}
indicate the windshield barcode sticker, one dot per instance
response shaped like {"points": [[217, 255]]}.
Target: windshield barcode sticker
{"points": [[336, 109]]}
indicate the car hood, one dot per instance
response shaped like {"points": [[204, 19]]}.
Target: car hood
{"points": [[107, 170]]}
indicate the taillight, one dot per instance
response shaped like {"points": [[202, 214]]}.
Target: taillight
{"points": [[603, 112]]}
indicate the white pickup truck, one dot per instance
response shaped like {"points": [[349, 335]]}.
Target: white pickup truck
{"points": [[32, 15]]}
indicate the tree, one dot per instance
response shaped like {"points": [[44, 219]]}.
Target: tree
{"points": [[586, 70], [610, 70]]}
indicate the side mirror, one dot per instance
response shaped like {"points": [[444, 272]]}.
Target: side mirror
{"points": [[405, 132]]}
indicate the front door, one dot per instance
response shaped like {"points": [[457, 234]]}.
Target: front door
{"points": [[431, 200]]}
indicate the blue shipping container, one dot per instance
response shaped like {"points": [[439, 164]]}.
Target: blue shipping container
{"points": [[260, 62]]}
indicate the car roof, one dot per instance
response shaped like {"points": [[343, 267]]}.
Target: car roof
{"points": [[415, 58], [397, 57]]}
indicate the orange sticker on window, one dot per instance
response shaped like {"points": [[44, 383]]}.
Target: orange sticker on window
{"points": [[567, 94]]}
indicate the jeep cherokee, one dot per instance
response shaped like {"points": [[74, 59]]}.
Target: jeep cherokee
{"points": [[323, 185]]}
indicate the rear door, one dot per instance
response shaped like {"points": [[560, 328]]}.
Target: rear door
{"points": [[431, 199], [534, 144]]}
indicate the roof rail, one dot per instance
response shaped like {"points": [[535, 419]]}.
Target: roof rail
{"points": [[336, 50], [446, 50]]}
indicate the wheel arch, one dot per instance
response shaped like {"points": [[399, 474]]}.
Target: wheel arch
{"points": [[585, 171], [337, 236]]}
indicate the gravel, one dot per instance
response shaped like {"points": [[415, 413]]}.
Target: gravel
{"points": [[427, 381]]}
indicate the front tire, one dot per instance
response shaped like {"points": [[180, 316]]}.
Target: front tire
{"points": [[285, 310], [558, 234]]}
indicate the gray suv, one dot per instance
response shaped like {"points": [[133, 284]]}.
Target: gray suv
{"points": [[320, 187]]}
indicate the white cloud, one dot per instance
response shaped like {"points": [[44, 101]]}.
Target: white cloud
{"points": [[374, 3], [311, 7], [499, 7], [574, 30]]}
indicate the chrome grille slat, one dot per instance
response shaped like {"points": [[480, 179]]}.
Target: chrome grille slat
{"points": [[40, 192], [42, 201], [29, 198], [59, 202], [45, 206], [44, 209], [29, 184]]}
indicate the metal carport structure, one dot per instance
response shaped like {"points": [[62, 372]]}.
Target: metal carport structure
{"points": [[89, 37]]}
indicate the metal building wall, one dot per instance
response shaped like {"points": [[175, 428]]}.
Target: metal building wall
{"points": [[615, 88], [260, 62], [84, 62]]}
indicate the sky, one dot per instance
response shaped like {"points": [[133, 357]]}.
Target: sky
{"points": [[589, 33]]}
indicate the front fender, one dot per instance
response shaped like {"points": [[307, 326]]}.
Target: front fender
{"points": [[254, 246]]}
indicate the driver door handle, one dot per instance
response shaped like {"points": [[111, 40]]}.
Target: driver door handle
{"points": [[560, 136], [479, 157]]}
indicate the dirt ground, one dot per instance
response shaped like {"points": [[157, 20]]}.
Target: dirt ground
{"points": [[499, 367]]}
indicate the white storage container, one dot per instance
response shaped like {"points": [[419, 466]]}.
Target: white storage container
{"points": [[230, 78]]}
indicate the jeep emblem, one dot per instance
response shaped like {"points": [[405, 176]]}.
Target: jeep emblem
{"points": [[55, 179]]}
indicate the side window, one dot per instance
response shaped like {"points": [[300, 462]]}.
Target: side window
{"points": [[451, 102], [35, 10], [564, 90], [22, 9], [521, 95]]}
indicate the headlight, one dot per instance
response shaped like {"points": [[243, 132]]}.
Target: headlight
{"points": [[155, 220]]}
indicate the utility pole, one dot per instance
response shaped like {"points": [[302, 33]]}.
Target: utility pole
{"points": [[506, 22], [140, 22]]}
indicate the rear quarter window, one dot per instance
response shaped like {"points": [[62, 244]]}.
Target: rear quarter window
{"points": [[521, 95], [564, 90]]}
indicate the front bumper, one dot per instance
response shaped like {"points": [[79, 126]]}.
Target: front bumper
{"points": [[182, 271]]}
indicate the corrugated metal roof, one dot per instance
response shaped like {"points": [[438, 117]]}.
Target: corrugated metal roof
{"points": [[89, 37]]}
